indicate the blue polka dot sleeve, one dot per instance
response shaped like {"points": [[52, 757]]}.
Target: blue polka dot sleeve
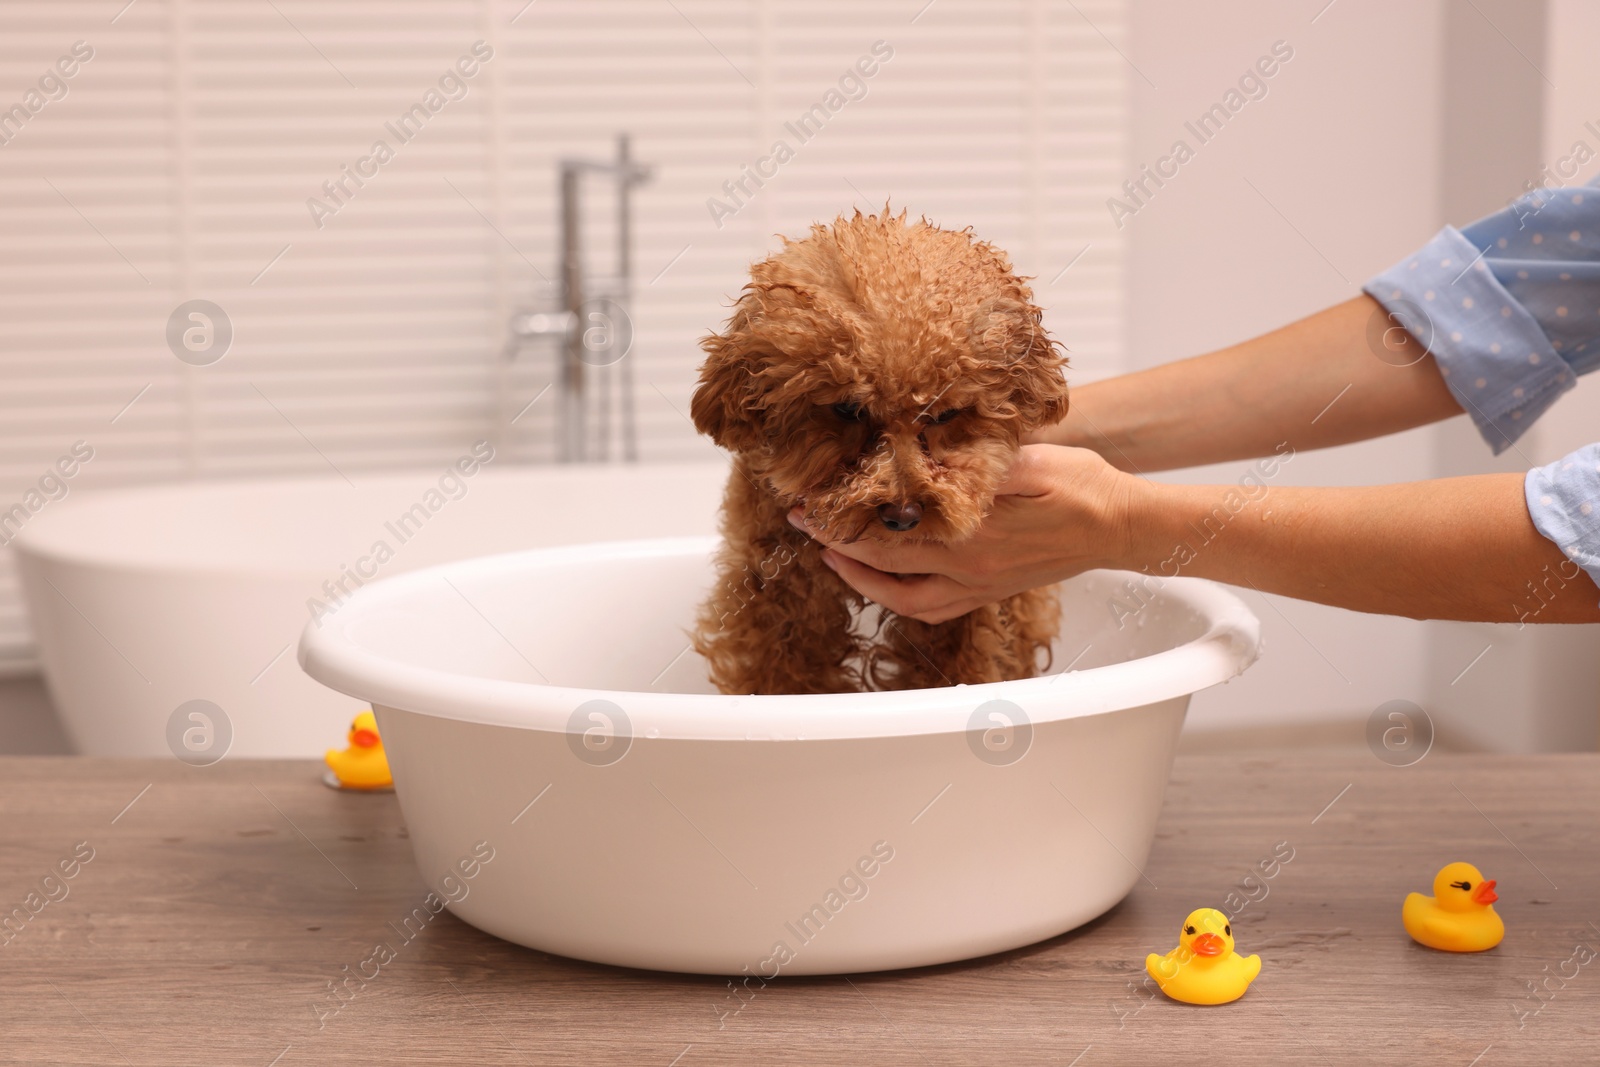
{"points": [[1564, 503], [1509, 309]]}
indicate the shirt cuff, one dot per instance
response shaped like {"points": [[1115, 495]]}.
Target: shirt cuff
{"points": [[1564, 503], [1494, 357]]}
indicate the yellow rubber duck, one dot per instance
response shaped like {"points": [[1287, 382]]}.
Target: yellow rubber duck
{"points": [[1204, 969], [363, 765], [1458, 917]]}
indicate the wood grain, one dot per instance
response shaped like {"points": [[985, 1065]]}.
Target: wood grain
{"points": [[219, 906]]}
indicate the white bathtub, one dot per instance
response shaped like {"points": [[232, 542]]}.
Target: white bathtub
{"points": [[144, 599], [572, 783]]}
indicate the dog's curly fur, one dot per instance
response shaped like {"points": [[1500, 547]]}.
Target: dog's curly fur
{"points": [[873, 362]]}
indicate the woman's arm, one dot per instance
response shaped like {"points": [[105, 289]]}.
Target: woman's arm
{"points": [[1498, 323], [1453, 548], [1344, 374], [1457, 548]]}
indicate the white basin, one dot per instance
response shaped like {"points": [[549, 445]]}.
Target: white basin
{"points": [[675, 828]]}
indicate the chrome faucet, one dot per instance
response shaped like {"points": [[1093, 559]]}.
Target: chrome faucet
{"points": [[593, 324]]}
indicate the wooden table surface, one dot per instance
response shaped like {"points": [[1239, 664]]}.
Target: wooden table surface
{"points": [[220, 903]]}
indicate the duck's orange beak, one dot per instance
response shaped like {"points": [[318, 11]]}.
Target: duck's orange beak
{"points": [[1485, 893], [366, 739], [1207, 945]]}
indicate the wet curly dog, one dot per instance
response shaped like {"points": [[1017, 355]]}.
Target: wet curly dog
{"points": [[880, 374]]}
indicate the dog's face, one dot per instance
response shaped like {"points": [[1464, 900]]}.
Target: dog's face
{"points": [[881, 375]]}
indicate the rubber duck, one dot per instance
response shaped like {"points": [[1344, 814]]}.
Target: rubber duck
{"points": [[1204, 969], [363, 765], [1458, 917]]}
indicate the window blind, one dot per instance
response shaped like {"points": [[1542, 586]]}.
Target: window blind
{"points": [[186, 155]]}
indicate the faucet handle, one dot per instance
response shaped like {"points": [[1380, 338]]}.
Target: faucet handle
{"points": [[543, 323]]}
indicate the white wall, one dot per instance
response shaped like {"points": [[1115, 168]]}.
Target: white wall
{"points": [[1536, 688], [1345, 146], [1572, 114], [1390, 121]]}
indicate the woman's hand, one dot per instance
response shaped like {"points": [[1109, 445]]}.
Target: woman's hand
{"points": [[1060, 511]]}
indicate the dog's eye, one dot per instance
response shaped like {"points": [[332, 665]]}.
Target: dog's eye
{"points": [[945, 416], [848, 412]]}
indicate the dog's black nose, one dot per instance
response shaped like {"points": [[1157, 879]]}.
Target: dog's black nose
{"points": [[900, 516]]}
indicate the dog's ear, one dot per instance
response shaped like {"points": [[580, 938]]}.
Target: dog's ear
{"points": [[1011, 328], [722, 407], [1041, 389]]}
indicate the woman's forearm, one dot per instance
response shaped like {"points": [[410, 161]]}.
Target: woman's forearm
{"points": [[1341, 375], [1456, 548]]}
